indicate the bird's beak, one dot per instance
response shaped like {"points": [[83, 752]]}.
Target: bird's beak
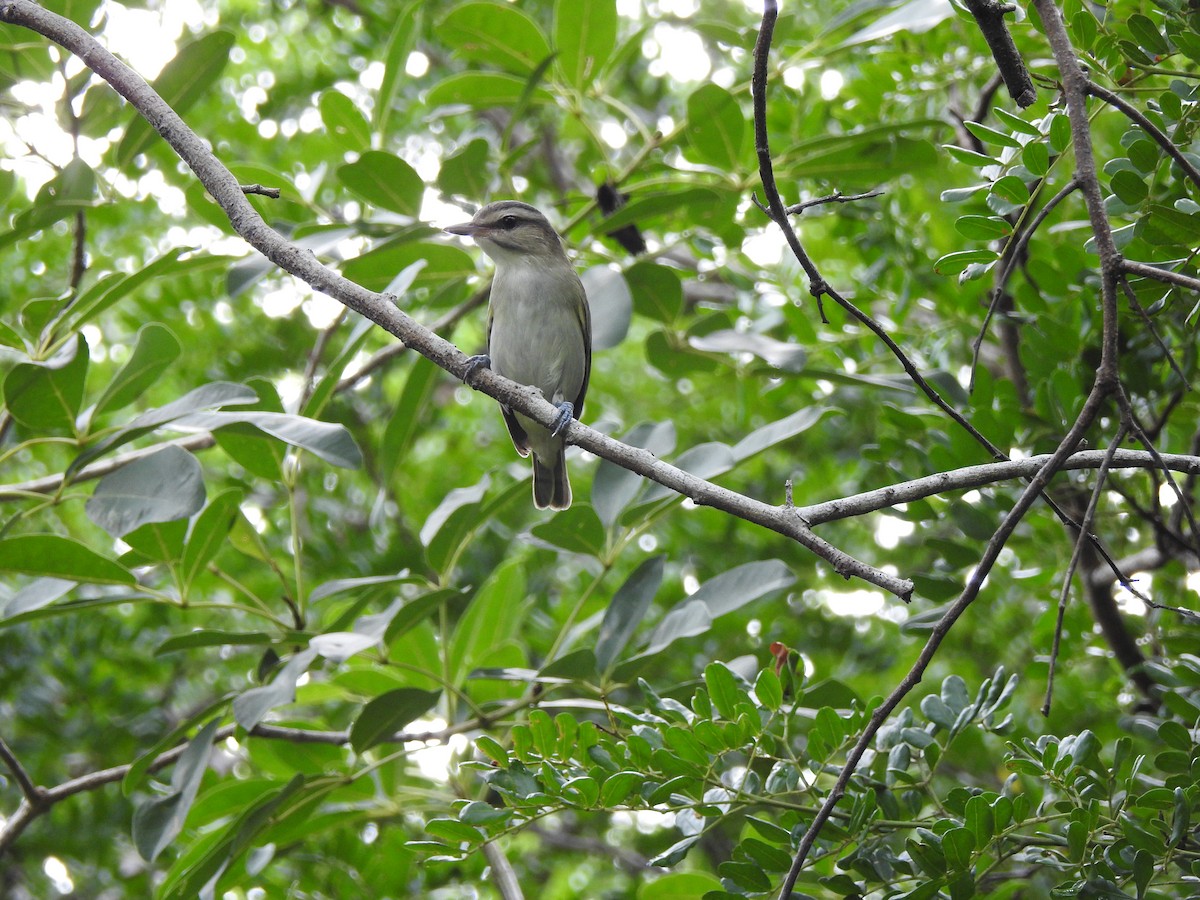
{"points": [[469, 229]]}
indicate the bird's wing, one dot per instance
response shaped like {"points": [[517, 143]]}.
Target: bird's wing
{"points": [[519, 438], [586, 323]]}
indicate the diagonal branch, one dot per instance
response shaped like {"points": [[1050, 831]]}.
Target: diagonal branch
{"points": [[227, 192]]}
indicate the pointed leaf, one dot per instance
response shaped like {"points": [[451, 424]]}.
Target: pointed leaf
{"points": [[389, 713], [59, 557], [47, 396], [183, 81], [161, 487], [158, 821], [251, 706], [584, 36], [156, 348], [625, 613], [384, 180]]}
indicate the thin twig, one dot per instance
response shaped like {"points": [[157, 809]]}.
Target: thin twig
{"points": [[1137, 307], [503, 875], [1146, 270], [1014, 255], [273, 193], [835, 197], [32, 792], [1160, 137], [1130, 420], [1089, 516], [314, 357]]}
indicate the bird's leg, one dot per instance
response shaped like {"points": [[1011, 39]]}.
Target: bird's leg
{"points": [[566, 412], [474, 364]]}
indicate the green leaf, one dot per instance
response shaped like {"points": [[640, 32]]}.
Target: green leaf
{"points": [[743, 584], [1060, 127], [768, 689], [39, 593], [777, 432], [1147, 35], [183, 81], [384, 180], [47, 396], [613, 486], [584, 36], [646, 207], [969, 157], [156, 348], [250, 707], [625, 612], [611, 305], [715, 127], [466, 172], [1129, 187], [991, 135], [59, 557], [1036, 157], [327, 440], [344, 122], [723, 689], [657, 291], [953, 263], [157, 822], [208, 534], [1016, 123], [493, 616], [495, 34], [389, 713], [1165, 225], [210, 638], [218, 393], [577, 530], [982, 228], [453, 831], [444, 264], [483, 90], [72, 189], [1012, 189], [162, 487], [405, 29]]}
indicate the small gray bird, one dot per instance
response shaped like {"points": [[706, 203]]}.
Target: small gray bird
{"points": [[539, 333]]}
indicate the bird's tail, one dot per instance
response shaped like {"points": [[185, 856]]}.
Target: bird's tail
{"points": [[551, 487]]}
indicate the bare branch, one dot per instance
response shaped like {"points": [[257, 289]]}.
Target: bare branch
{"points": [[1146, 270], [271, 192], [989, 16], [979, 476], [1013, 255], [1085, 522], [32, 792]]}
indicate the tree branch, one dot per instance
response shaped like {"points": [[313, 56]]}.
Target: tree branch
{"points": [[989, 16], [227, 192], [1148, 270], [979, 476]]}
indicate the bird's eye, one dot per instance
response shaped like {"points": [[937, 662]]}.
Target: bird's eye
{"points": [[508, 222]]}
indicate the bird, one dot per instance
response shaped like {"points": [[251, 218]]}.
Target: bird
{"points": [[539, 333]]}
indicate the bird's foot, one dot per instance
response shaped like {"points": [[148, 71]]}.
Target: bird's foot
{"points": [[474, 364], [566, 412]]}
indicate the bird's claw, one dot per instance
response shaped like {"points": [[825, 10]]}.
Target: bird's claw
{"points": [[474, 364], [566, 412]]}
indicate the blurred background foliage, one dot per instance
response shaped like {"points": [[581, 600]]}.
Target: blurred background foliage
{"points": [[358, 530]]}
